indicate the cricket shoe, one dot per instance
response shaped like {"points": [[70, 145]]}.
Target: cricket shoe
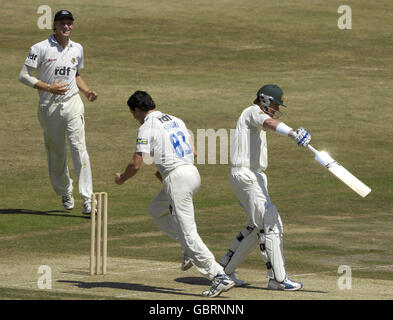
{"points": [[286, 285], [86, 207], [220, 283], [238, 282], [186, 264], [68, 201]]}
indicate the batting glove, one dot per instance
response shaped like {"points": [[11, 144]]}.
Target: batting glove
{"points": [[302, 137]]}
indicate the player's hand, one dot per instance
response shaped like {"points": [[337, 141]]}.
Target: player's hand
{"points": [[158, 175], [118, 179], [302, 137], [91, 95], [57, 88]]}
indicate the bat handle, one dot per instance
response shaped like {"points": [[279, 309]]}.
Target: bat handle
{"points": [[309, 146]]}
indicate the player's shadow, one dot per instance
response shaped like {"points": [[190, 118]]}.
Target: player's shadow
{"points": [[51, 213], [204, 281], [127, 286], [194, 280], [247, 286]]}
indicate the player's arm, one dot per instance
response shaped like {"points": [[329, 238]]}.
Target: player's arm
{"points": [[301, 135], [158, 175], [132, 168], [91, 95], [194, 150], [26, 77], [272, 124]]}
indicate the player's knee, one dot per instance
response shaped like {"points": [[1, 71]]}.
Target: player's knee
{"points": [[78, 146], [157, 211], [77, 140], [190, 240], [272, 221]]}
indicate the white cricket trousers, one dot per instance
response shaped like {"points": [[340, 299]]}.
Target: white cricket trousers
{"points": [[250, 188], [61, 120], [178, 221]]}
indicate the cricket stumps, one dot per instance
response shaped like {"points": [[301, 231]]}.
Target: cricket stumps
{"points": [[98, 233]]}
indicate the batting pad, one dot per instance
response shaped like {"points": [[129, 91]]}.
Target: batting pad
{"points": [[274, 249], [243, 244], [273, 244], [272, 220]]}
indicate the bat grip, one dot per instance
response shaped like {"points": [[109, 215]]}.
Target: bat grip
{"points": [[309, 146]]}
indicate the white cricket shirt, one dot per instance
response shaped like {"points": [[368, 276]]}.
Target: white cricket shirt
{"points": [[166, 138], [248, 142], [52, 63]]}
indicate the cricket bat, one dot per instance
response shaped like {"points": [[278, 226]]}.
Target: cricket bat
{"points": [[340, 172]]}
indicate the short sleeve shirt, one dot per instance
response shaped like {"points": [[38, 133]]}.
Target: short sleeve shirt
{"points": [[166, 138]]}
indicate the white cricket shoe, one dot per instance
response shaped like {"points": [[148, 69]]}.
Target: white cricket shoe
{"points": [[186, 264], [86, 207], [68, 201], [286, 285], [220, 283], [238, 282]]}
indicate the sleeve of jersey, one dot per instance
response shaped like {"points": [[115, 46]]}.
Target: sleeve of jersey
{"points": [[81, 59], [258, 117], [32, 58], [143, 142], [26, 76], [186, 131]]}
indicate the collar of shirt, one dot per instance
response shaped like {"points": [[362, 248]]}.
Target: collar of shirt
{"points": [[148, 116], [53, 41], [259, 109]]}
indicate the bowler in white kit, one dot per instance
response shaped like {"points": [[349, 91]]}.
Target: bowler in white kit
{"points": [[249, 182], [56, 62], [166, 138]]}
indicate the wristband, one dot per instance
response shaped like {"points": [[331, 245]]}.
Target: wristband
{"points": [[283, 129], [48, 87]]}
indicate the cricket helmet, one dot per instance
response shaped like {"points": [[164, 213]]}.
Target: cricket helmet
{"points": [[271, 92]]}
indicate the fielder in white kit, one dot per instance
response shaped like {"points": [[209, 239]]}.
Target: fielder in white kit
{"points": [[249, 182], [166, 137], [57, 61]]}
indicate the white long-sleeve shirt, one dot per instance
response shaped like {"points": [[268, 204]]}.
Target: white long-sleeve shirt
{"points": [[249, 144], [52, 63]]}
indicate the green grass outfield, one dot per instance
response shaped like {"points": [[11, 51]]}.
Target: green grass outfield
{"points": [[204, 61]]}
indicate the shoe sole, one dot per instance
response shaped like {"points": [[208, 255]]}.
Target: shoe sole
{"points": [[282, 289], [69, 208], [224, 289], [88, 213], [186, 266]]}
